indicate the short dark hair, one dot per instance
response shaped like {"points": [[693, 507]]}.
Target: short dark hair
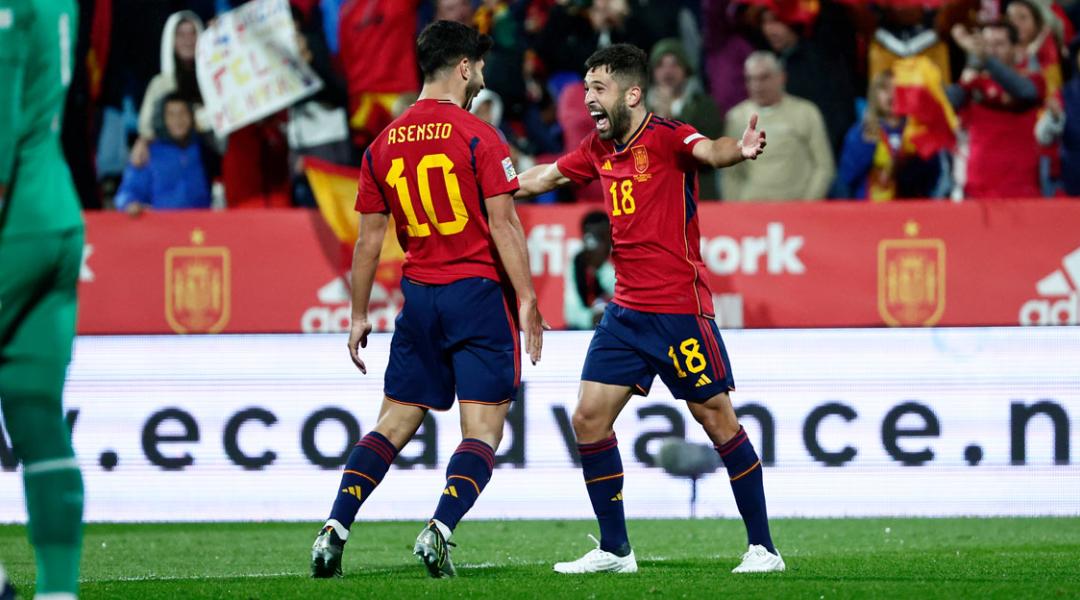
{"points": [[1010, 30], [595, 217], [444, 43], [627, 63], [175, 97]]}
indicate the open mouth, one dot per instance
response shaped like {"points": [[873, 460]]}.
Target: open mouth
{"points": [[603, 123]]}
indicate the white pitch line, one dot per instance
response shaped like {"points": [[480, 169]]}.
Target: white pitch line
{"points": [[478, 566], [192, 577]]}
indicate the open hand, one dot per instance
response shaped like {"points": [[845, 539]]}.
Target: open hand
{"points": [[752, 143]]}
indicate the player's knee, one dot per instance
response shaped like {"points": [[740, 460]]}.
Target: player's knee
{"points": [[491, 436], [589, 426], [718, 424], [37, 428]]}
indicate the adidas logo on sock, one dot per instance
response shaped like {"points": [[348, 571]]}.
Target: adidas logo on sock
{"points": [[703, 381], [1060, 302], [617, 498], [353, 490], [450, 491]]}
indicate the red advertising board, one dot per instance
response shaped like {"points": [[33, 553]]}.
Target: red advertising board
{"points": [[771, 265]]}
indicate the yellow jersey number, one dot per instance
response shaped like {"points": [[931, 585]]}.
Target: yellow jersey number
{"points": [[396, 179], [626, 205], [691, 351]]}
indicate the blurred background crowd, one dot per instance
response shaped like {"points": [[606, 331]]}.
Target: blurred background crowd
{"points": [[868, 100]]}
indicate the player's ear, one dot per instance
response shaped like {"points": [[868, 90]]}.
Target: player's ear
{"points": [[634, 96], [465, 69]]}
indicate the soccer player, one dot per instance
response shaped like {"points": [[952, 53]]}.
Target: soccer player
{"points": [[661, 320], [41, 244], [447, 179]]}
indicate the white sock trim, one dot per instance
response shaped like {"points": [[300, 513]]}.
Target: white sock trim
{"points": [[339, 529], [56, 596], [53, 464], [443, 529]]}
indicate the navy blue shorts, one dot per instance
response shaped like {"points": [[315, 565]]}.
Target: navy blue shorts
{"points": [[631, 347], [457, 337]]}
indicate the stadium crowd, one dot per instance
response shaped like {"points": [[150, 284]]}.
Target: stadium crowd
{"points": [[862, 99]]}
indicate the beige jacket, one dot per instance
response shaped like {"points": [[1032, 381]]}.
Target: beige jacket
{"points": [[798, 163]]}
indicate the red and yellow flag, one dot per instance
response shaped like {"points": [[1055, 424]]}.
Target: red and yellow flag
{"points": [[920, 96], [334, 187]]}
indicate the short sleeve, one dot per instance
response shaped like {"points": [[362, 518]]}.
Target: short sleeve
{"points": [[370, 198], [684, 138], [577, 165], [494, 170]]}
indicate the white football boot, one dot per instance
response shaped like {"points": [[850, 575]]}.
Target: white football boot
{"points": [[759, 560], [599, 561]]}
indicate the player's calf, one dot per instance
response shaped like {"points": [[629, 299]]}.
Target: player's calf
{"points": [[367, 465]]}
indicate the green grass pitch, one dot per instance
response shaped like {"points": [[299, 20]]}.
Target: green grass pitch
{"points": [[826, 558]]}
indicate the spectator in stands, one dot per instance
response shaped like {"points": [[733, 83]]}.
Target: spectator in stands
{"points": [[504, 64], [874, 164], [903, 30], [177, 75], [1032, 23], [726, 49], [590, 279], [676, 94], [378, 51], [814, 73], [1061, 123], [174, 176], [998, 98], [318, 126], [799, 164], [459, 11], [575, 29], [489, 107]]}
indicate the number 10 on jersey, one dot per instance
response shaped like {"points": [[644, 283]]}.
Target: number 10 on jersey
{"points": [[396, 179], [626, 205]]}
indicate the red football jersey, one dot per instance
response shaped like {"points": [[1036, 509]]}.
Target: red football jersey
{"points": [[432, 168], [650, 192], [378, 45]]}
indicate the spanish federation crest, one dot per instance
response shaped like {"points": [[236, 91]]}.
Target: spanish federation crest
{"points": [[641, 158], [911, 280], [197, 282]]}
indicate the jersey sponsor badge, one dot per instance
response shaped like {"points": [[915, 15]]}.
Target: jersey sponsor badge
{"points": [[508, 168], [7, 18]]}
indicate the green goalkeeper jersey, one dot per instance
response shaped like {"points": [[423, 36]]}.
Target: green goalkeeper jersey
{"points": [[37, 53]]}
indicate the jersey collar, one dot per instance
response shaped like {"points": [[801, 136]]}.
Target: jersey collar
{"points": [[637, 134]]}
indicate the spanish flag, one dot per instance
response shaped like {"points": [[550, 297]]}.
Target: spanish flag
{"points": [[920, 96], [334, 187]]}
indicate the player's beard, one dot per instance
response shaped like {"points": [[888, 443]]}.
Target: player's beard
{"points": [[471, 90], [619, 120]]}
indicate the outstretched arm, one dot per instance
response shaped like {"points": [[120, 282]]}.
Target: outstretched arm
{"points": [[540, 179], [727, 151]]}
